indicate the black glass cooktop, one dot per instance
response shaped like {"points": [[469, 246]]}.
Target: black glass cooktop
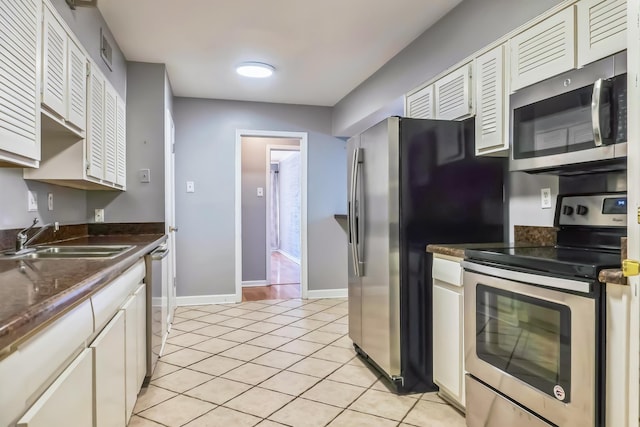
{"points": [[565, 261]]}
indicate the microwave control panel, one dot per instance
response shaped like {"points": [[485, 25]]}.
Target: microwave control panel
{"points": [[598, 210]]}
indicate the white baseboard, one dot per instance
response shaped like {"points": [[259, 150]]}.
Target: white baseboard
{"points": [[327, 293], [206, 299], [252, 283], [288, 255]]}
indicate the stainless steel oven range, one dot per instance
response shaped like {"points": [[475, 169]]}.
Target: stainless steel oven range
{"points": [[535, 321]]}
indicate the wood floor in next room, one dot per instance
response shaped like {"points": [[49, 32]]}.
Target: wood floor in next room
{"points": [[284, 281], [274, 363]]}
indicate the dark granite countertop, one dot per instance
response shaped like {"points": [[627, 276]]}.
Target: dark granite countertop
{"points": [[612, 275], [32, 298], [457, 250]]}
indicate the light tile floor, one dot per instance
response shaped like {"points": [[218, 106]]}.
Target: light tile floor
{"points": [[274, 363]]}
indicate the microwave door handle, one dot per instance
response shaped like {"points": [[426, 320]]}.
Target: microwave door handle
{"points": [[595, 112]]}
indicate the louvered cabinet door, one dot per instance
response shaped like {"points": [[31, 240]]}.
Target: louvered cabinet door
{"points": [[453, 98], [76, 86], [20, 32], [54, 64], [602, 29], [419, 105], [121, 143], [491, 102], [95, 124], [543, 51], [110, 132]]}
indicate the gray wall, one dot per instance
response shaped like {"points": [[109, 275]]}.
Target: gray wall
{"points": [[70, 206], [142, 202], [205, 144], [254, 208], [86, 22], [289, 183], [469, 27]]}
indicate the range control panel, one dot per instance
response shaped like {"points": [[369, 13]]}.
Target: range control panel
{"points": [[595, 210]]}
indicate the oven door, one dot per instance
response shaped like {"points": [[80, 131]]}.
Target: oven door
{"points": [[535, 345]]}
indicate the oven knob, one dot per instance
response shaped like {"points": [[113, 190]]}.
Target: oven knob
{"points": [[582, 210], [567, 210]]}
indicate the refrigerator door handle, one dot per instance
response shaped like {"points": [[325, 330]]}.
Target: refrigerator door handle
{"points": [[360, 209], [352, 213]]}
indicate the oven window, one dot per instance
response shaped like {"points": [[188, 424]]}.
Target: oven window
{"points": [[525, 337], [556, 125]]}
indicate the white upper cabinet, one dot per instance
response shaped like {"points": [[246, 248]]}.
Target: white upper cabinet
{"points": [[110, 134], [54, 64], [544, 50], [95, 128], [76, 86], [419, 105], [602, 29], [492, 109], [453, 98], [121, 142], [20, 26]]}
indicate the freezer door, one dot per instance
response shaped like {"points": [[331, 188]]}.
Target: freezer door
{"points": [[380, 247], [355, 282]]}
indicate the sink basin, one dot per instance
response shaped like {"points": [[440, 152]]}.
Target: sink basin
{"points": [[86, 251]]}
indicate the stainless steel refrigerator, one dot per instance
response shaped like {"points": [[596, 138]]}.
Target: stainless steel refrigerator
{"points": [[411, 182]]}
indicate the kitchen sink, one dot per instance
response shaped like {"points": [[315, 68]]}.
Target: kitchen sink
{"points": [[85, 251]]}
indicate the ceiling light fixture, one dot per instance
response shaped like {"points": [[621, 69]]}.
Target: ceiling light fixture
{"points": [[257, 70]]}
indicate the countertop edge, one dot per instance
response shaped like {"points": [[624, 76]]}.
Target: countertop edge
{"points": [[21, 327], [613, 276]]}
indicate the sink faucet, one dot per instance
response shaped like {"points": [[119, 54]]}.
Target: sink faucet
{"points": [[23, 240]]}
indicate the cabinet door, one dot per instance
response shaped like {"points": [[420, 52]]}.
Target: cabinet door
{"points": [[109, 374], [492, 111], [121, 143], [141, 333], [544, 50], [110, 134], [68, 402], [602, 29], [130, 309], [20, 80], [453, 98], [95, 131], [77, 87], [419, 105], [54, 65], [448, 370]]}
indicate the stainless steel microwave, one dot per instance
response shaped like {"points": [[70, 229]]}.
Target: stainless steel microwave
{"points": [[573, 123]]}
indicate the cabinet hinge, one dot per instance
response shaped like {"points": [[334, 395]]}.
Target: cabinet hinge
{"points": [[173, 147], [630, 268]]}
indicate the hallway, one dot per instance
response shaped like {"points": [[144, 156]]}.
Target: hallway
{"points": [[285, 281]]}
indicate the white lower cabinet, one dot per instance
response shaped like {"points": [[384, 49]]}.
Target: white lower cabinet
{"points": [[141, 333], [448, 333], [130, 310], [68, 401], [110, 373]]}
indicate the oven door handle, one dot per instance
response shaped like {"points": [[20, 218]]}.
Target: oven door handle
{"points": [[528, 278], [596, 120]]}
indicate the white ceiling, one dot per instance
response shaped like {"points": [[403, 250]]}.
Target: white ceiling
{"points": [[321, 49]]}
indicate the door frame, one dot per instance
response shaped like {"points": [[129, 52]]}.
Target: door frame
{"points": [[303, 138], [268, 196], [170, 223]]}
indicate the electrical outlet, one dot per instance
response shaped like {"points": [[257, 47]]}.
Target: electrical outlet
{"points": [[191, 187], [99, 215], [32, 201], [260, 192], [545, 198], [50, 201], [144, 175]]}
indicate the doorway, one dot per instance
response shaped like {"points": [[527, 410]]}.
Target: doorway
{"points": [[271, 217]]}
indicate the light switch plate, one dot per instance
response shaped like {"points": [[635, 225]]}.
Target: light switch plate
{"points": [[32, 201], [99, 215], [545, 198], [260, 192], [50, 201], [144, 175], [191, 187]]}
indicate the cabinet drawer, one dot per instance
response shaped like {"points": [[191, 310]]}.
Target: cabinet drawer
{"points": [[107, 301], [447, 271]]}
